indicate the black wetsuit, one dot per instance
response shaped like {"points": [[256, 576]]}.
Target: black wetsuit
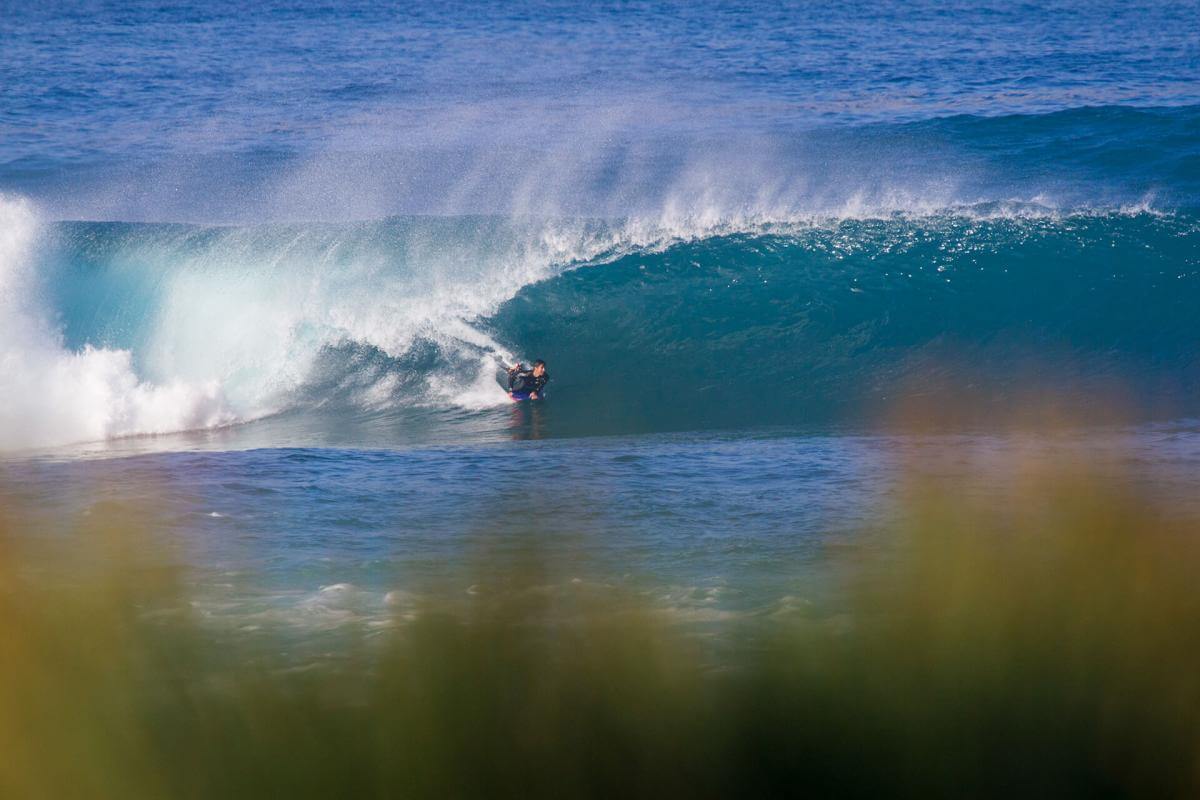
{"points": [[524, 383]]}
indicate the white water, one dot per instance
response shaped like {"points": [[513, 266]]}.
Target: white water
{"points": [[56, 396]]}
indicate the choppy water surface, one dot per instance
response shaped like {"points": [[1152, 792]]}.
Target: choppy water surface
{"points": [[704, 527]]}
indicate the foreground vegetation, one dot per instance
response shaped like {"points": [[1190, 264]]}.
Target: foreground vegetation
{"points": [[1044, 645]]}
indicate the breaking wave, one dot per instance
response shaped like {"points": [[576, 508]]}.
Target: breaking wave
{"points": [[116, 329]]}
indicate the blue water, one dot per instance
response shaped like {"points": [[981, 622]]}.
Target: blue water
{"points": [[267, 265]]}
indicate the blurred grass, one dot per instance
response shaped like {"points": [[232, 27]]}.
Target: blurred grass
{"points": [[1046, 644]]}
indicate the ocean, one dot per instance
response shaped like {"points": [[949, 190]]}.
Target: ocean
{"points": [[259, 271]]}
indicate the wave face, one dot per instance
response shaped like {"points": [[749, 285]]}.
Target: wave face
{"points": [[115, 329], [840, 320]]}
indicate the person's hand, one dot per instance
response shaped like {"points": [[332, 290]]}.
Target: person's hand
{"points": [[533, 396]]}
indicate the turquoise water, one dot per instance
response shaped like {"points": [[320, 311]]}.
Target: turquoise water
{"points": [[264, 268], [391, 332]]}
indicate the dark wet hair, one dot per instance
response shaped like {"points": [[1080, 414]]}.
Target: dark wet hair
{"points": [[539, 363]]}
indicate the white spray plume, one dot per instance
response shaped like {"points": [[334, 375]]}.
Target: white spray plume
{"points": [[56, 396]]}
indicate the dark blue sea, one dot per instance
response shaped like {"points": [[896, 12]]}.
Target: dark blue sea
{"points": [[260, 268]]}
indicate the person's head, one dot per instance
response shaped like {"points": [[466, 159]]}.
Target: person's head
{"points": [[539, 368]]}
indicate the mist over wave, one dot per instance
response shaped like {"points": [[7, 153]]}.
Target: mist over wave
{"points": [[606, 162], [675, 275]]}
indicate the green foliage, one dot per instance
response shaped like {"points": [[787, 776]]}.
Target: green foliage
{"points": [[1048, 645]]}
